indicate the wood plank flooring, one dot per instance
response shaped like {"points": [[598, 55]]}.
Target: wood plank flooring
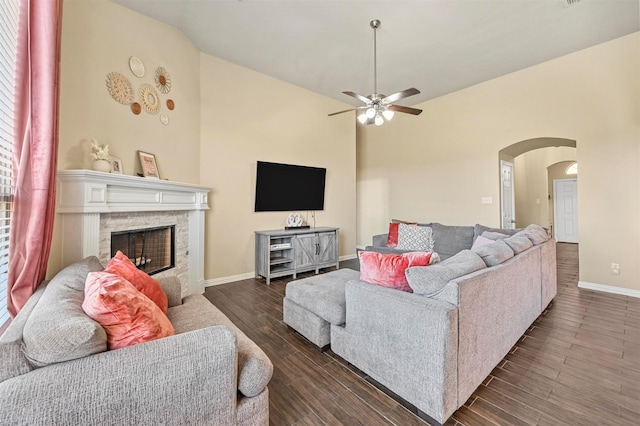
{"points": [[578, 364]]}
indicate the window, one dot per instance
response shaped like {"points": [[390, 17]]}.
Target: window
{"points": [[572, 169], [9, 11]]}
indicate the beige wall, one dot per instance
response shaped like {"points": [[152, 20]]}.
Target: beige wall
{"points": [[246, 117], [531, 184], [439, 165]]}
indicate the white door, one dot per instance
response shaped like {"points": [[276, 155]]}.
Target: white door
{"points": [[507, 196], [565, 210]]}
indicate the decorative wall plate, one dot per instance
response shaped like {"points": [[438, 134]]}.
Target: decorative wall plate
{"points": [[149, 98], [163, 80], [136, 108], [170, 104], [119, 88], [136, 66], [164, 119]]}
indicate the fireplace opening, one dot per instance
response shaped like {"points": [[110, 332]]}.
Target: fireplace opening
{"points": [[152, 250]]}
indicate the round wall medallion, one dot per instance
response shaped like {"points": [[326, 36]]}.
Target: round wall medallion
{"points": [[164, 119], [163, 80], [149, 98], [119, 88], [170, 104], [136, 66], [136, 108]]}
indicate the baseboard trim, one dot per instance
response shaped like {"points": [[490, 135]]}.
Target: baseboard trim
{"points": [[348, 257], [609, 289], [248, 275], [229, 279]]}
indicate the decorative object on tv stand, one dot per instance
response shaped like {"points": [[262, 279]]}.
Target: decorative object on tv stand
{"points": [[120, 88], [100, 157], [378, 107], [149, 99], [294, 221], [148, 165]]}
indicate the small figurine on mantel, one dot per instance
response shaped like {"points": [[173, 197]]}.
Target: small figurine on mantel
{"points": [[100, 157]]}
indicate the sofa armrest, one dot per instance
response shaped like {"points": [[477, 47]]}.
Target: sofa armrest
{"points": [[189, 378], [172, 288], [407, 342], [379, 240]]}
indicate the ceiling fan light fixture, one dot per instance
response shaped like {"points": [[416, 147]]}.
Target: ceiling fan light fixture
{"points": [[371, 112], [362, 118], [379, 120], [388, 114]]}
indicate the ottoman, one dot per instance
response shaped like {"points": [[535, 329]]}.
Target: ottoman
{"points": [[312, 304]]}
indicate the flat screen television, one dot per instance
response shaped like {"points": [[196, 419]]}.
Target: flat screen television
{"points": [[287, 187]]}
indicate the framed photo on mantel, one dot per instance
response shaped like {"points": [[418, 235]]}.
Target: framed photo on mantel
{"points": [[148, 165]]}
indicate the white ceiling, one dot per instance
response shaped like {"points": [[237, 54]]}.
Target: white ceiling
{"points": [[437, 46]]}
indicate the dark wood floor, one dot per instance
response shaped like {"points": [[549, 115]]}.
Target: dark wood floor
{"points": [[578, 364]]}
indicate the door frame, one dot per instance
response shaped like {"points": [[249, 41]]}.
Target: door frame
{"points": [[511, 225], [555, 207]]}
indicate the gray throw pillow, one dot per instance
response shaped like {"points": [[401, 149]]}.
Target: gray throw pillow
{"points": [[58, 329], [494, 253], [479, 229], [450, 240], [518, 242], [495, 236], [429, 280], [536, 234], [414, 238]]}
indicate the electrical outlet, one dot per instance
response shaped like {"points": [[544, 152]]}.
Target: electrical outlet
{"points": [[615, 268]]}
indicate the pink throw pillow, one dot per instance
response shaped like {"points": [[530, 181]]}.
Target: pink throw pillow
{"points": [[127, 315], [122, 266], [392, 238], [388, 269], [481, 241]]}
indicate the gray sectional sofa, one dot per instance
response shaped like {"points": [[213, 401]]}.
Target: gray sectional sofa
{"points": [[56, 370], [435, 346]]}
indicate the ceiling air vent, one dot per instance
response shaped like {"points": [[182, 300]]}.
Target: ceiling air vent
{"points": [[568, 3]]}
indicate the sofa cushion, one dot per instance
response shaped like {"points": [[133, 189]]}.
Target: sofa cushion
{"points": [[128, 316], [449, 240], [536, 234], [518, 242], [121, 265], [387, 270], [414, 238], [481, 241], [479, 229], [494, 236], [430, 280], [58, 329], [494, 253]]}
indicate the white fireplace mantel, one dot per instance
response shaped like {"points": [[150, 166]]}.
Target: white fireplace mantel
{"points": [[82, 195]]}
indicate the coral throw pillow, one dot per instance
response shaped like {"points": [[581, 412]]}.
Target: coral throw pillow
{"points": [[388, 269], [122, 266], [392, 238], [127, 315]]}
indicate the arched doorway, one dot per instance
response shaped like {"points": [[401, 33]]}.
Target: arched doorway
{"points": [[530, 159]]}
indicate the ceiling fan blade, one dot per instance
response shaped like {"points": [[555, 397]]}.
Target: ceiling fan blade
{"points": [[405, 109], [347, 110], [400, 95], [359, 97]]}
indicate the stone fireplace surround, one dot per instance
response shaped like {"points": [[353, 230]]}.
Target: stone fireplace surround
{"points": [[94, 204]]}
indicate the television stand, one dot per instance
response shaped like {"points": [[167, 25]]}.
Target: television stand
{"points": [[291, 251]]}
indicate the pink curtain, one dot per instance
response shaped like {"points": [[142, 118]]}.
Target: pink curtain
{"points": [[35, 148]]}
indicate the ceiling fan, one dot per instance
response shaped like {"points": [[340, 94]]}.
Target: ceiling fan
{"points": [[378, 107]]}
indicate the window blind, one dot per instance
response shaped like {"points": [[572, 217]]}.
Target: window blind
{"points": [[9, 12]]}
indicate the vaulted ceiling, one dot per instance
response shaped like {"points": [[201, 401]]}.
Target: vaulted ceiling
{"points": [[437, 46]]}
